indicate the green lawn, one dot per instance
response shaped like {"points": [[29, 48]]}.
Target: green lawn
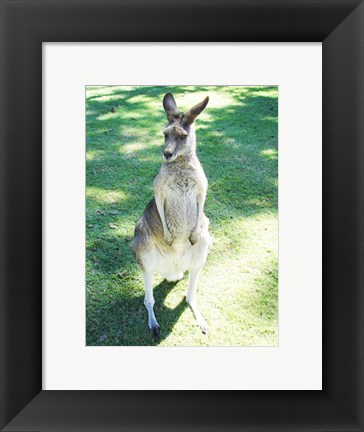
{"points": [[237, 144]]}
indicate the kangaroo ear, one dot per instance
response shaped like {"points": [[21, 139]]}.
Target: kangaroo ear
{"points": [[170, 107], [190, 115]]}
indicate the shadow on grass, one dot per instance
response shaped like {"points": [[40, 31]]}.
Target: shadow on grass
{"points": [[237, 146], [131, 319]]}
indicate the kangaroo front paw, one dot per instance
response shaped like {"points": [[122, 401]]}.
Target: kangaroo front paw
{"points": [[168, 238], [194, 237]]}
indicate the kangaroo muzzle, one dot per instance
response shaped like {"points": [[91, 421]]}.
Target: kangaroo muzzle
{"points": [[167, 153]]}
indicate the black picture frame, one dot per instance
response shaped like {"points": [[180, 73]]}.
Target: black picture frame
{"points": [[24, 26]]}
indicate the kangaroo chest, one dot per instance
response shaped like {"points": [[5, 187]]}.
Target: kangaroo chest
{"points": [[181, 203]]}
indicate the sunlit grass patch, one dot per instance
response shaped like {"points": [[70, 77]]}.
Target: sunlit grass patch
{"points": [[105, 196], [270, 154]]}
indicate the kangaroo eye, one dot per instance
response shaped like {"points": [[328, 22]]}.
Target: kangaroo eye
{"points": [[183, 137]]}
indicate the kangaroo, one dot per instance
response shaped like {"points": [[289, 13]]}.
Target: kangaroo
{"points": [[172, 236]]}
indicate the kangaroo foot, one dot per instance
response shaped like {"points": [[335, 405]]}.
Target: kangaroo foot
{"points": [[199, 318], [155, 329]]}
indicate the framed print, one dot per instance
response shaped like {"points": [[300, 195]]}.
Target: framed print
{"points": [[38, 331]]}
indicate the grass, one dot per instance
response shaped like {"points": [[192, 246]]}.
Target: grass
{"points": [[237, 140]]}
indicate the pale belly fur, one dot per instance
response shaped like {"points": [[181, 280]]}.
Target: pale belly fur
{"points": [[181, 256]]}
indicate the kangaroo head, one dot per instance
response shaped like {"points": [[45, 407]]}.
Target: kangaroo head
{"points": [[179, 133]]}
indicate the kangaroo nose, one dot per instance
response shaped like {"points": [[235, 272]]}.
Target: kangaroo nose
{"points": [[167, 154]]}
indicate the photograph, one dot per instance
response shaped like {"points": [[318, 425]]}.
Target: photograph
{"points": [[182, 215]]}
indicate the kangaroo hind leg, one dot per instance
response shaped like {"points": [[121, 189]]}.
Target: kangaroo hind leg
{"points": [[149, 302], [191, 298]]}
